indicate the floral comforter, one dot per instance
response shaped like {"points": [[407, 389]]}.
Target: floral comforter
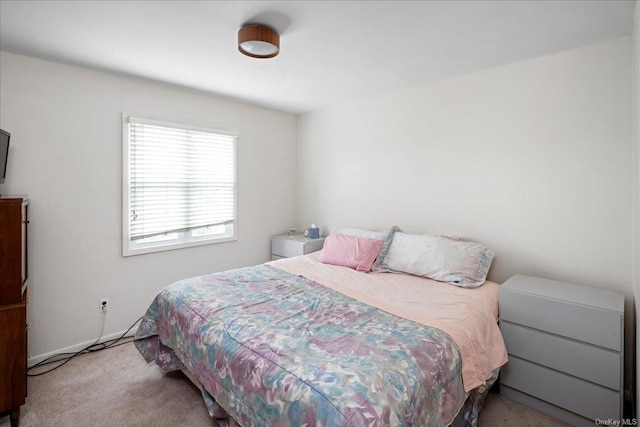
{"points": [[275, 349]]}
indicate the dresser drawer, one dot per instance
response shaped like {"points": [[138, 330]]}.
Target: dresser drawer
{"points": [[581, 397], [13, 355], [580, 322], [286, 248], [290, 246], [593, 363]]}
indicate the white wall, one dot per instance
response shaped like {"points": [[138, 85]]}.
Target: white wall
{"points": [[531, 159], [65, 154]]}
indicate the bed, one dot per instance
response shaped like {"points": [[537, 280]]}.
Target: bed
{"points": [[297, 342]]}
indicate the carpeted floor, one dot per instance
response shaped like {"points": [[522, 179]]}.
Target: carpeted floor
{"points": [[117, 388]]}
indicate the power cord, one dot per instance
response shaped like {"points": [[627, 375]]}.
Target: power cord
{"points": [[64, 358]]}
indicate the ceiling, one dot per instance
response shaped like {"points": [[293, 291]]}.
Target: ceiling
{"points": [[332, 52]]}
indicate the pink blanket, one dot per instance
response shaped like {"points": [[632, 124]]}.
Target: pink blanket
{"points": [[469, 316]]}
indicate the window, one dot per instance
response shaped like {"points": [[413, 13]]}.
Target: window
{"points": [[179, 186]]}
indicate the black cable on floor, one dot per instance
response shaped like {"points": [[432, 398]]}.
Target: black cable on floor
{"points": [[63, 358]]}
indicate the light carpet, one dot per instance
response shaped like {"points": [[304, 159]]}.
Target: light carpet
{"points": [[116, 387]]}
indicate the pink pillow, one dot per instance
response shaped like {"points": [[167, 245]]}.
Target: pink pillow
{"points": [[350, 251]]}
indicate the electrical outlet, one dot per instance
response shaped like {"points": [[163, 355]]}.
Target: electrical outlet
{"points": [[104, 305]]}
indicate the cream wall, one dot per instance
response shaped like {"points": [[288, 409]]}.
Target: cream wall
{"points": [[531, 159], [66, 155]]}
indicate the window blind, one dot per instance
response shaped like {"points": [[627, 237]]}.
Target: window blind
{"points": [[180, 179]]}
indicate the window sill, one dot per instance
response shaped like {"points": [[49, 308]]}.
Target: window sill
{"points": [[161, 246]]}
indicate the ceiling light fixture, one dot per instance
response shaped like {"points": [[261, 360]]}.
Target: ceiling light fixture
{"points": [[258, 41]]}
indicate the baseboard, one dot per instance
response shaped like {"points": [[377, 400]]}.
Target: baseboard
{"points": [[76, 347]]}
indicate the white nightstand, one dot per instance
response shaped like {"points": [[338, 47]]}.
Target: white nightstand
{"points": [[566, 347], [286, 246]]}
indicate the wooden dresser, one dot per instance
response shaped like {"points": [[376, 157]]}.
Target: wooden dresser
{"points": [[566, 345], [13, 305]]}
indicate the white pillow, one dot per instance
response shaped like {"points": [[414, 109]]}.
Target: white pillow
{"points": [[440, 258], [367, 234]]}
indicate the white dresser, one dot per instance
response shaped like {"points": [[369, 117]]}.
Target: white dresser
{"points": [[286, 246], [566, 347]]}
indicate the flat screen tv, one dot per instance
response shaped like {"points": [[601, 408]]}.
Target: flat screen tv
{"points": [[4, 154]]}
